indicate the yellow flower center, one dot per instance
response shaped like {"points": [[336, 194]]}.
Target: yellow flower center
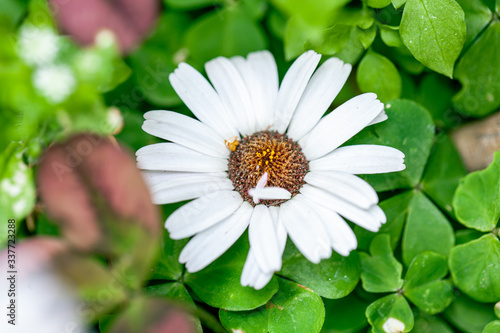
{"points": [[270, 152]]}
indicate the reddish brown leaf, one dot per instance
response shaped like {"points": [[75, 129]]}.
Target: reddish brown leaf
{"points": [[130, 20], [93, 188]]}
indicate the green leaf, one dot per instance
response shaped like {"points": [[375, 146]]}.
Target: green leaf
{"points": [[390, 36], [414, 141], [380, 272], [435, 93], [378, 74], [17, 188], [392, 306], [192, 4], [155, 59], [479, 73], [395, 209], [427, 229], [398, 3], [167, 266], [425, 323], [493, 327], [467, 315], [475, 268], [477, 198], [444, 171], [315, 13], [423, 285], [298, 35], [294, 308], [219, 285], [434, 32], [466, 235], [174, 292], [345, 315], [477, 17], [378, 3], [11, 11], [335, 277], [219, 33]]}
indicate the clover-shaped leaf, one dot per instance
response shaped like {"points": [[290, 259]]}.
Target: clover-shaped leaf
{"points": [[475, 268], [424, 285], [477, 199], [294, 308], [393, 306], [381, 272]]}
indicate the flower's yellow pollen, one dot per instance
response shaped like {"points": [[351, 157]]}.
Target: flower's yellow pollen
{"points": [[232, 143]]}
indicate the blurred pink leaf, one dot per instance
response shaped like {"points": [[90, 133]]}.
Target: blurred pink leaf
{"points": [[130, 20]]}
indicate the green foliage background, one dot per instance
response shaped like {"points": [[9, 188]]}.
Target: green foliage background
{"points": [[435, 265]]}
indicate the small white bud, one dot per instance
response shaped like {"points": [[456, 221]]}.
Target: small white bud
{"points": [[393, 325]]}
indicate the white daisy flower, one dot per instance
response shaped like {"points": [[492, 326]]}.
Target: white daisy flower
{"points": [[37, 45], [54, 82], [253, 134]]}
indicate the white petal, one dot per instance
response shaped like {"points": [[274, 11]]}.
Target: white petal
{"points": [[262, 236], [344, 185], [269, 193], [173, 157], [382, 116], [232, 92], [202, 213], [188, 187], [252, 275], [320, 92], [361, 159], [211, 243], [202, 100], [279, 227], [260, 74], [340, 125], [185, 131], [369, 219], [305, 229], [154, 177], [342, 238], [293, 85]]}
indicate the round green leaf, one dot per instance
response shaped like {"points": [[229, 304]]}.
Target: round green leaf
{"points": [[427, 229], [493, 327], [345, 315], [294, 308], [475, 268], [381, 272], [479, 73], [390, 36], [467, 315], [219, 285], [477, 199], [423, 285], [388, 85], [443, 173], [392, 306], [378, 3], [434, 32], [425, 323], [219, 33], [395, 209], [335, 277], [414, 141]]}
